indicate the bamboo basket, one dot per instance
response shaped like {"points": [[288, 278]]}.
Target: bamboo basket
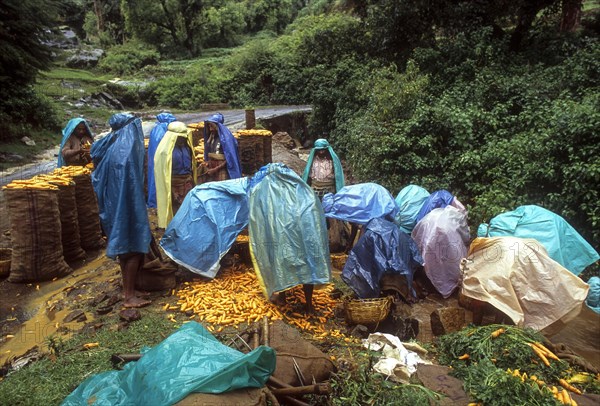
{"points": [[5, 260], [367, 311]]}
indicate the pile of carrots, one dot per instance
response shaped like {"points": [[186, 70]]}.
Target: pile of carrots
{"points": [[235, 298]]}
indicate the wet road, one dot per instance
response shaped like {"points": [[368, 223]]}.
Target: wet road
{"points": [[234, 120]]}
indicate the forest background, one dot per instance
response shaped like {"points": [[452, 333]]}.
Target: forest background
{"points": [[495, 101]]}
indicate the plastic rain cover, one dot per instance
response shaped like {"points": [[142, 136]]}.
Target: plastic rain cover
{"points": [[438, 200], [593, 298], [156, 135], [516, 276], [360, 203], [382, 248], [409, 201], [206, 225], [287, 229], [189, 360], [118, 181], [443, 237], [563, 243]]}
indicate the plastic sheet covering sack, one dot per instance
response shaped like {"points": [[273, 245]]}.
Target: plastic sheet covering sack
{"points": [[382, 248], [593, 298], [517, 277], [409, 201], [438, 200], [443, 237], [189, 360], [360, 203], [206, 225], [288, 234], [156, 135], [563, 243], [118, 181]]}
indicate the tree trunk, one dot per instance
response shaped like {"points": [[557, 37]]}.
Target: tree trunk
{"points": [[99, 16], [571, 15], [526, 15]]}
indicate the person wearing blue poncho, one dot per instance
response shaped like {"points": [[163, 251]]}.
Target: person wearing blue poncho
{"points": [[75, 144], [323, 171], [156, 135], [118, 181], [221, 156]]}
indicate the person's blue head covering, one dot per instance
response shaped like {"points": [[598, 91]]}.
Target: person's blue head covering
{"points": [[321, 144], [228, 144], [66, 133], [156, 135]]}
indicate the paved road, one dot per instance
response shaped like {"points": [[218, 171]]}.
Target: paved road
{"points": [[234, 119]]}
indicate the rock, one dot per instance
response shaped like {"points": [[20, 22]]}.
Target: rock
{"points": [[75, 315], [436, 378], [403, 328], [10, 157], [360, 331], [130, 315], [447, 320], [99, 299], [83, 58], [28, 141], [104, 310], [284, 139]]}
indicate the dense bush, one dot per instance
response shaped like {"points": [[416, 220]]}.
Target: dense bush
{"points": [[128, 58]]}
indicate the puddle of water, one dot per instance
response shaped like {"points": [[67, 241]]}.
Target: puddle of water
{"points": [[44, 320]]}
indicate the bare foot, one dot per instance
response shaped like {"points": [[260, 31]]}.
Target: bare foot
{"points": [[136, 302], [142, 293]]}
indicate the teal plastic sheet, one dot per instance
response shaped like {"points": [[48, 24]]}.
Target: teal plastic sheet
{"points": [[409, 201], [288, 233], [563, 243], [206, 225], [189, 360], [593, 298]]}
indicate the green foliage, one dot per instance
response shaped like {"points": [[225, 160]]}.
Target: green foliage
{"points": [[128, 58]]}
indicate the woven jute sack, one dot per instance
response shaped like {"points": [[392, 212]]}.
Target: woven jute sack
{"points": [[88, 214], [69, 223], [36, 235]]}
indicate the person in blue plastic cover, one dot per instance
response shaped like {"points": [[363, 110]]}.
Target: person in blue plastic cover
{"points": [[156, 135], [76, 142], [221, 155], [118, 181], [323, 171]]}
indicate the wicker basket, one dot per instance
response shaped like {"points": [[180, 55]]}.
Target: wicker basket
{"points": [[367, 311], [5, 258], [338, 260]]}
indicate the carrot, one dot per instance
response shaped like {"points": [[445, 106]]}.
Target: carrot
{"points": [[568, 386], [546, 351], [540, 354], [496, 333], [566, 397], [464, 357]]}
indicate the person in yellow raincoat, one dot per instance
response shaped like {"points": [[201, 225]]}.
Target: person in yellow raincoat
{"points": [[174, 171]]}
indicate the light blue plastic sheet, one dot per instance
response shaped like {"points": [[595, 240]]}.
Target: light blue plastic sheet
{"points": [[437, 200], [156, 135], [288, 233], [593, 298], [360, 203], [563, 243], [118, 181], [382, 248], [206, 225], [410, 200], [189, 360]]}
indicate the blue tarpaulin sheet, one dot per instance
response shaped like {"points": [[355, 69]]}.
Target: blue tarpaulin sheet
{"points": [[382, 248], [410, 200], [189, 360], [206, 225], [437, 200], [593, 298], [118, 180], [562, 242], [288, 233], [360, 203]]}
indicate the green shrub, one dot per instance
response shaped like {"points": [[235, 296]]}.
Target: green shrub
{"points": [[128, 58]]}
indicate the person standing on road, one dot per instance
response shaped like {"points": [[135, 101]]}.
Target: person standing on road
{"points": [[75, 145], [174, 171], [156, 135], [221, 155], [118, 181]]}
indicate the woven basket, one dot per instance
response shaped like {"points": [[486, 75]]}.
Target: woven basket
{"points": [[367, 311], [5, 258], [338, 260]]}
